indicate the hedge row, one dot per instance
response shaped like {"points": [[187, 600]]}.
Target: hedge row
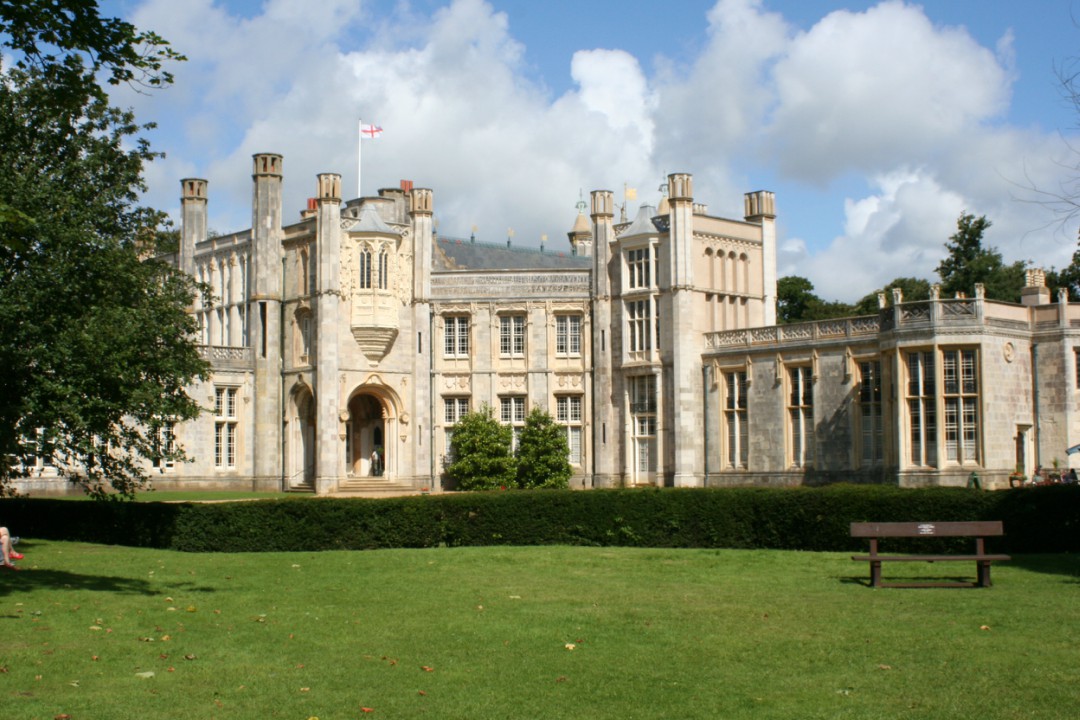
{"points": [[1036, 520]]}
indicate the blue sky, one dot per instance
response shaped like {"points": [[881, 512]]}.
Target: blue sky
{"points": [[876, 124]]}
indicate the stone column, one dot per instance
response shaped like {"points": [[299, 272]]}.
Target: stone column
{"points": [[331, 412], [681, 404], [607, 433], [264, 311]]}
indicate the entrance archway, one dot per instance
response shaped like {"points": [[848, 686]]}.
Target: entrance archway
{"points": [[367, 446]]}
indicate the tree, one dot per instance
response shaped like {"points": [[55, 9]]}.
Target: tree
{"points": [[968, 263], [796, 302], [97, 345], [912, 289], [481, 453], [543, 453]]}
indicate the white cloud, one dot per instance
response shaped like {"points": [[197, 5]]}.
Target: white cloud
{"points": [[906, 116]]}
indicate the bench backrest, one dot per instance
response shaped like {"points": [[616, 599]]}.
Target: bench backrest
{"points": [[979, 528]]}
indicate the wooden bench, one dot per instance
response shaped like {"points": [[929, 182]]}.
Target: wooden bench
{"points": [[979, 530]]}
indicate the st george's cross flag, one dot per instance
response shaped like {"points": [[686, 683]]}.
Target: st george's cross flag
{"points": [[368, 132]]}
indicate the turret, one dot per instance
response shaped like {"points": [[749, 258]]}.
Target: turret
{"points": [[192, 221], [760, 209]]}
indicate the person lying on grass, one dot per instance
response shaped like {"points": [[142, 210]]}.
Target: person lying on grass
{"points": [[7, 550]]}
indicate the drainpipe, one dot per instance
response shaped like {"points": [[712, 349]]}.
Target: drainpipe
{"points": [[1035, 400], [705, 419], [431, 398], [281, 374]]}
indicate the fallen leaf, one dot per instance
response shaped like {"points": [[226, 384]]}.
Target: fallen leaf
{"points": [[165, 638], [74, 683], [191, 608], [168, 599], [984, 627], [421, 692], [95, 627], [172, 669], [190, 656], [561, 679], [94, 657], [364, 709], [147, 674], [62, 716], [425, 668], [164, 656], [570, 646], [305, 689], [884, 667]]}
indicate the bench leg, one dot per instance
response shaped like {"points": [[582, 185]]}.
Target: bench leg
{"points": [[984, 573], [875, 574]]}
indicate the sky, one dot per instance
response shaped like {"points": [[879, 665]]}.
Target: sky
{"points": [[877, 124]]}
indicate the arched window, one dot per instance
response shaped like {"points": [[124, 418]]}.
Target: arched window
{"points": [[384, 269], [365, 268]]}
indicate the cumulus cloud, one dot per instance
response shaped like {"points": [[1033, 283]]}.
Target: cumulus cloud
{"points": [[897, 124]]}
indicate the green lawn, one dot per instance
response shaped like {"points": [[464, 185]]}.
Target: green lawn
{"points": [[94, 631]]}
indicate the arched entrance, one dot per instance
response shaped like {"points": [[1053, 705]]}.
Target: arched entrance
{"points": [[300, 440], [367, 448]]}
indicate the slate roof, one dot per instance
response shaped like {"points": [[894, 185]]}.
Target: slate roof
{"points": [[465, 254]]}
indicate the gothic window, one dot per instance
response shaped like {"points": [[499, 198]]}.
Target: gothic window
{"points": [[922, 411], [511, 335], [365, 269], [961, 399], [639, 264], [736, 426], [166, 445], [456, 336], [568, 335], [512, 413], [639, 325], [871, 432], [225, 422], [643, 418], [384, 269], [568, 413], [801, 415], [304, 336], [454, 408]]}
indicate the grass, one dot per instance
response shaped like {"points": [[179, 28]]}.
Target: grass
{"points": [[487, 633]]}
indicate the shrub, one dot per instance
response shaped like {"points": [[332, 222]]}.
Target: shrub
{"points": [[480, 449], [542, 453]]}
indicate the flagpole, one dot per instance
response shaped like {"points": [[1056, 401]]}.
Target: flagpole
{"points": [[359, 145]]}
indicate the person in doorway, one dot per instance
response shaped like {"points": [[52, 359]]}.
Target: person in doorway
{"points": [[7, 550], [376, 462]]}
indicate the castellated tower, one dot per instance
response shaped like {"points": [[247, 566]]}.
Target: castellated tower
{"points": [[684, 350], [760, 209], [607, 438], [193, 221], [329, 422], [265, 317]]}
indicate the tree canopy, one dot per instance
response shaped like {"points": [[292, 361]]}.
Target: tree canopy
{"points": [[542, 453], [481, 452], [969, 263], [98, 346]]}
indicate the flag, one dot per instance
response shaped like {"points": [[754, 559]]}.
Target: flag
{"points": [[370, 131], [630, 193]]}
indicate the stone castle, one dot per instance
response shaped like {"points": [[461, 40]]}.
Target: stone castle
{"points": [[347, 344]]}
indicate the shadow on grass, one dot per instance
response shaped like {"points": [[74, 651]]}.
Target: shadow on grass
{"points": [[1057, 564], [955, 582], [58, 580]]}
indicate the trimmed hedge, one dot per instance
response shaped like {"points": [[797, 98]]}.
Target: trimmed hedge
{"points": [[1036, 519]]}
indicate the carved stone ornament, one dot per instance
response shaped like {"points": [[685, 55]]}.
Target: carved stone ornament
{"points": [[1009, 352]]}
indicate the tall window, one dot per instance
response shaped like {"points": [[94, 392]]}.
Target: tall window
{"points": [[643, 413], [365, 268], [801, 415], [225, 427], [922, 415], [961, 393], [512, 413], [567, 334], [568, 413], [639, 327], [166, 440], [454, 408], [735, 419], [512, 335], [384, 269], [303, 326], [871, 434], [456, 336], [639, 267]]}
